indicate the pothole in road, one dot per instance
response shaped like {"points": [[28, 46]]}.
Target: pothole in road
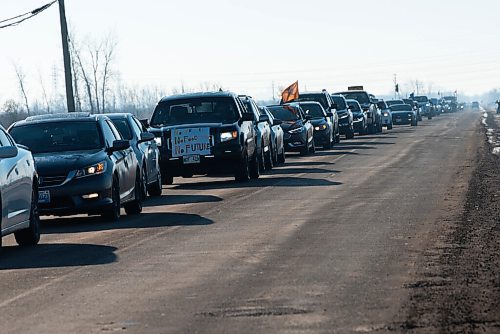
{"points": [[254, 312]]}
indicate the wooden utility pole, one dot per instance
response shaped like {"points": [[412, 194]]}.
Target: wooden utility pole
{"points": [[67, 60]]}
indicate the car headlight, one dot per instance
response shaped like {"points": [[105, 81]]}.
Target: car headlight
{"points": [[427, 104], [386, 114], [296, 130], [343, 116], [227, 136], [320, 127], [158, 141], [96, 169]]}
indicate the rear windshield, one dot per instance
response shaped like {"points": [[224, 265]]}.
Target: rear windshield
{"points": [[421, 99], [195, 110], [321, 98], [354, 106], [314, 110], [340, 102], [401, 107], [361, 97], [285, 113], [382, 105], [393, 102], [59, 136], [123, 127]]}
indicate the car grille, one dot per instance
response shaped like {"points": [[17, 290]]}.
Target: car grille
{"points": [[52, 181]]}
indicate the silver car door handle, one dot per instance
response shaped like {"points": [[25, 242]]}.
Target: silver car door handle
{"points": [[17, 171]]}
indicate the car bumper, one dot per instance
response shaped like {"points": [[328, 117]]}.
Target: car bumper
{"points": [[321, 137], [343, 127], [386, 120], [295, 142]]}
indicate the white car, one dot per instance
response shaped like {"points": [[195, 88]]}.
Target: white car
{"points": [[386, 114], [18, 192]]}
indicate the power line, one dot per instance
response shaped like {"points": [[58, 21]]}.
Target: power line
{"points": [[26, 16]]}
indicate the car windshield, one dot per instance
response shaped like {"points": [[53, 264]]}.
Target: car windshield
{"points": [[393, 102], [354, 106], [450, 98], [421, 99], [321, 98], [314, 110], [382, 105], [123, 127], [60, 136], [340, 102], [285, 113], [195, 110], [401, 107], [361, 97]]}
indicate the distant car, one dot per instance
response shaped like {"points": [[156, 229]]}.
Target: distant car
{"points": [[425, 106], [368, 105], [299, 132], [449, 103], [18, 192], [346, 119], [277, 134], [393, 102], [475, 105], [403, 114], [83, 163], [145, 149], [263, 133], [360, 123], [386, 114], [414, 106], [321, 120], [205, 133], [324, 98], [435, 106]]}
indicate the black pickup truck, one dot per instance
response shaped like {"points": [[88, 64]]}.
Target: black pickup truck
{"points": [[205, 133]]}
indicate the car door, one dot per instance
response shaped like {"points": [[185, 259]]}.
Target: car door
{"points": [[130, 164], [147, 148], [17, 188]]}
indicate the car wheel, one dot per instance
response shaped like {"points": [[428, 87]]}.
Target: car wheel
{"points": [[329, 143], [389, 127], [31, 235], [262, 160], [113, 211], [349, 133], [337, 136], [144, 187], [282, 157], [268, 158], [167, 179], [135, 207], [242, 173], [255, 165], [156, 188], [429, 117], [313, 147]]}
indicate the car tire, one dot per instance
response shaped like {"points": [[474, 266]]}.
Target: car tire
{"points": [[262, 160], [242, 173], [112, 212], [337, 136], [349, 133], [144, 175], [167, 179], [255, 165], [135, 207], [282, 157], [389, 127], [275, 154], [155, 189], [329, 143], [313, 147], [31, 235], [429, 117], [268, 158]]}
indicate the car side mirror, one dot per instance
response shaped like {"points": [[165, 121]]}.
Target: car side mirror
{"points": [[247, 117], [145, 123], [119, 145], [264, 118], [308, 117], [146, 136], [7, 152], [277, 122], [329, 114]]}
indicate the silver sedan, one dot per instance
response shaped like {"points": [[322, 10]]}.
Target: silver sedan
{"points": [[18, 192]]}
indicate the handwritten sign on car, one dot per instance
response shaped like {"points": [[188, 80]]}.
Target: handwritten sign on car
{"points": [[190, 141]]}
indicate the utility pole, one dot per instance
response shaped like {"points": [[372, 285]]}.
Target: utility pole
{"points": [[396, 88], [67, 60], [274, 96]]}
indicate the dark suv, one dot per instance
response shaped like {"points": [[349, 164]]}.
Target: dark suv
{"points": [[346, 118], [84, 165], [368, 105], [326, 101], [205, 133]]}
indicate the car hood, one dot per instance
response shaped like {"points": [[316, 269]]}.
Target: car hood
{"points": [[287, 125], [401, 113], [318, 121], [357, 114], [61, 163]]}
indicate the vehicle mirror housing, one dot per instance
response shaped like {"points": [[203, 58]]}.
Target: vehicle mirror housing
{"points": [[277, 122], [247, 117], [146, 136], [119, 145], [7, 152], [145, 123], [329, 114], [264, 118]]}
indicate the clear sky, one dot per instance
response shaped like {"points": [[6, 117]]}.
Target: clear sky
{"points": [[246, 45]]}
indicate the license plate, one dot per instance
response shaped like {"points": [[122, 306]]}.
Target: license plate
{"points": [[44, 196], [191, 159]]}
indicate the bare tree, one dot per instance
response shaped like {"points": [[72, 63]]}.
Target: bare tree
{"points": [[95, 52], [21, 77], [44, 92], [80, 70], [108, 48]]}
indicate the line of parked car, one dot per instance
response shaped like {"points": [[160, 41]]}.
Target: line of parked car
{"points": [[80, 163]]}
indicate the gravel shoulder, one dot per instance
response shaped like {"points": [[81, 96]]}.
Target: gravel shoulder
{"points": [[457, 286]]}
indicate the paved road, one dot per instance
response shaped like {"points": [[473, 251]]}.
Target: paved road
{"points": [[324, 243]]}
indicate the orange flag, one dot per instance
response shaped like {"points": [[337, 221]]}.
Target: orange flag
{"points": [[290, 93]]}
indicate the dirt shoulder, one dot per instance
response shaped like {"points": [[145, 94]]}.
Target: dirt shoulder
{"points": [[457, 289]]}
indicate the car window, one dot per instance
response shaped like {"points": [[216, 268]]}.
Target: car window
{"points": [[137, 126], [321, 98], [196, 110], [361, 97], [285, 113], [4, 139], [314, 110], [123, 127], [340, 102], [58, 136], [109, 136]]}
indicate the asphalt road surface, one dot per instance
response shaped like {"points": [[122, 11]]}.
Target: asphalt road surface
{"points": [[324, 243]]}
